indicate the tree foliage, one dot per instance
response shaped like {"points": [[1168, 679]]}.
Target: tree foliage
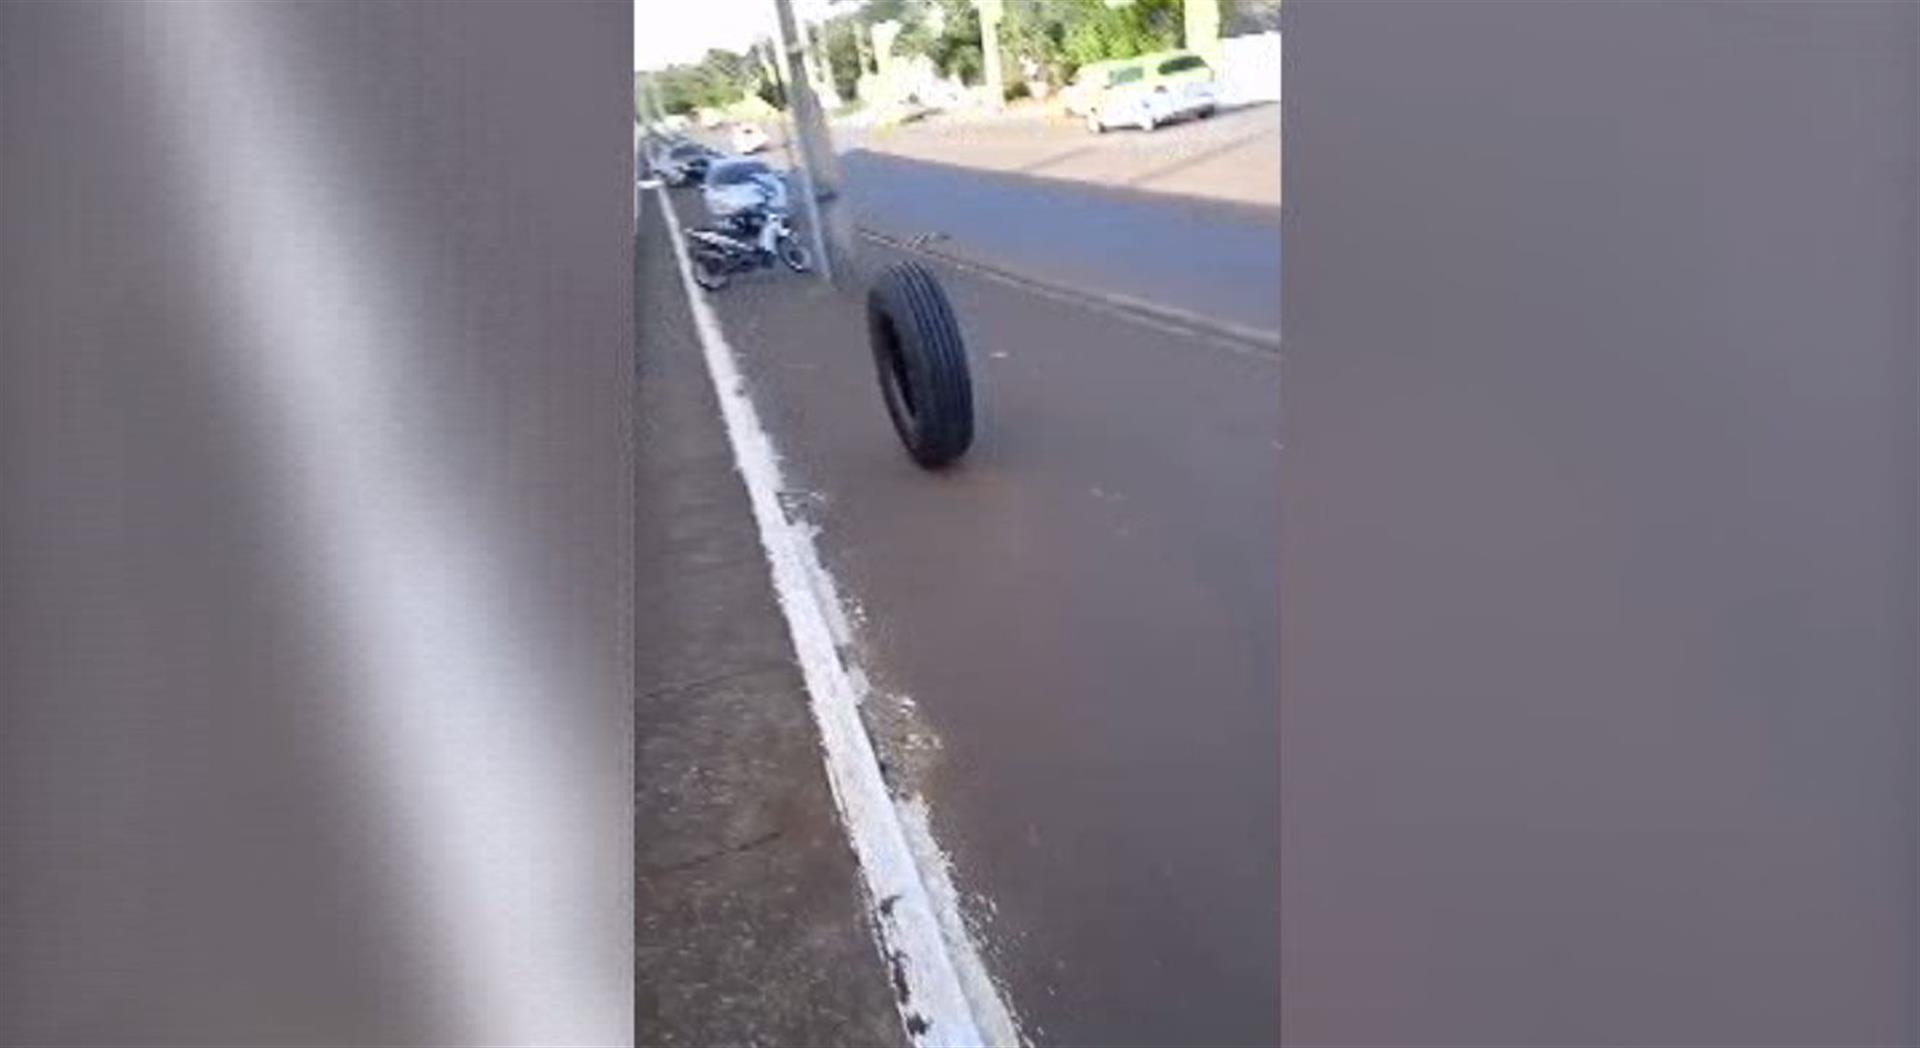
{"points": [[1059, 36], [1051, 37], [721, 78], [1240, 17], [946, 31], [840, 37]]}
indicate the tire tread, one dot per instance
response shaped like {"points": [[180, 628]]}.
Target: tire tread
{"points": [[923, 319]]}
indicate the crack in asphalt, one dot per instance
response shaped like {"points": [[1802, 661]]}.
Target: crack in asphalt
{"points": [[718, 678], [705, 857]]}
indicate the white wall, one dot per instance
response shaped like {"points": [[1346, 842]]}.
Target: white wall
{"points": [[1250, 67]]}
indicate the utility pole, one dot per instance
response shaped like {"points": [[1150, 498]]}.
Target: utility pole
{"points": [[820, 168], [991, 12]]}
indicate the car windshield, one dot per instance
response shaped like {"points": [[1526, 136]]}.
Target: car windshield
{"points": [[1125, 75], [1181, 64]]}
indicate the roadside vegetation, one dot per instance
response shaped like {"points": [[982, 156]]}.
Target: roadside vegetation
{"points": [[1042, 43]]}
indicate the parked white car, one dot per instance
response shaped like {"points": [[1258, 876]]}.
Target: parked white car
{"points": [[748, 138], [1148, 91]]}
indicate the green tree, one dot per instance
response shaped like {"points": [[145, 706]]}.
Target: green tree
{"points": [[946, 31], [1238, 17], [841, 37], [874, 12], [1034, 32], [1059, 36], [763, 74], [721, 78]]}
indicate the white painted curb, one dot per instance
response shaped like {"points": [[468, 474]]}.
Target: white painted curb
{"points": [[937, 1006]]}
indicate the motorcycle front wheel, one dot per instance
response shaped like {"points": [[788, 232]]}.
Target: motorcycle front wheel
{"points": [[709, 272], [795, 254]]}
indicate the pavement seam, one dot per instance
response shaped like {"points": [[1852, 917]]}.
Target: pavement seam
{"points": [[668, 869], [1237, 338], [1202, 156], [1051, 159], [762, 669]]}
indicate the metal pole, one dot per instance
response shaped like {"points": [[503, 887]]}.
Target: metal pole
{"points": [[820, 168]]}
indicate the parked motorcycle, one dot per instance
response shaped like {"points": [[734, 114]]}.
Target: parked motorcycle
{"points": [[752, 232]]}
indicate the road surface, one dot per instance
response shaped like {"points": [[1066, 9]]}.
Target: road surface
{"points": [[1092, 212], [1234, 155], [1085, 614], [1186, 217], [1206, 258]]}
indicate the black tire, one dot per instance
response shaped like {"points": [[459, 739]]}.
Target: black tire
{"points": [[922, 363], [795, 254], [708, 272]]}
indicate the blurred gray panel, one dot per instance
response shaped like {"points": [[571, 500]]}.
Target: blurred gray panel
{"points": [[315, 524], [1599, 560]]}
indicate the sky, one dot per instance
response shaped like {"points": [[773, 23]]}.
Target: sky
{"points": [[670, 32]]}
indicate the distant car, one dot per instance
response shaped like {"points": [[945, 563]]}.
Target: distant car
{"points": [[685, 163], [748, 138], [1148, 91]]}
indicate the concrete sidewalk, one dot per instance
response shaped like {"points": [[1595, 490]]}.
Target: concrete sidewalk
{"points": [[749, 927]]}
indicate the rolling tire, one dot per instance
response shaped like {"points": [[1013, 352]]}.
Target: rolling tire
{"points": [[1094, 125], [922, 364]]}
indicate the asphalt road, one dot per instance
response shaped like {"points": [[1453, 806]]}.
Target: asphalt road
{"points": [[1060, 217], [1233, 155], [1207, 258], [1085, 613], [1184, 218]]}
